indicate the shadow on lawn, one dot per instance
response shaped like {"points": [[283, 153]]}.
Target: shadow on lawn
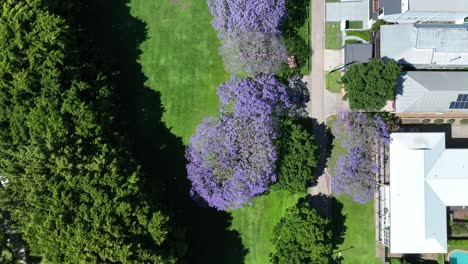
{"points": [[202, 234], [333, 209]]}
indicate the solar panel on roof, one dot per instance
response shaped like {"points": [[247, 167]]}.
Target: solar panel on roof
{"points": [[460, 103]]}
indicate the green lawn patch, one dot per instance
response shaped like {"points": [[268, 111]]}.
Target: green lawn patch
{"points": [[359, 243], [304, 32], [355, 24], [333, 37], [255, 223], [180, 59], [364, 34], [333, 81]]}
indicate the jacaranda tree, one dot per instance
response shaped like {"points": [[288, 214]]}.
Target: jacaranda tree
{"points": [[232, 159], [244, 15], [253, 52], [355, 172], [251, 42]]}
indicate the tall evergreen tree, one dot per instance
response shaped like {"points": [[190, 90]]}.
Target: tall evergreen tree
{"points": [[73, 189]]}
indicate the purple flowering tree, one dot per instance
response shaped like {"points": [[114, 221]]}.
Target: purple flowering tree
{"points": [[251, 42], [253, 52], [246, 15], [355, 172], [232, 159]]}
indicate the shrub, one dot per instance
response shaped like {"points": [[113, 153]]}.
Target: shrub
{"points": [[458, 242], [425, 121], [450, 121], [459, 228], [464, 121], [438, 121]]}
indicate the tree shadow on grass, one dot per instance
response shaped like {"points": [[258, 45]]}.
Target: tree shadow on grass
{"points": [[333, 209], [202, 235]]}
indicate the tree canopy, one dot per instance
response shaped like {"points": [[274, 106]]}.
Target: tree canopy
{"points": [[302, 236], [296, 157], [251, 42], [73, 188], [232, 159], [370, 85], [355, 172]]}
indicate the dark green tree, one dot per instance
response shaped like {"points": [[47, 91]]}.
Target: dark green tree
{"points": [[302, 236], [369, 85], [73, 188], [296, 157]]}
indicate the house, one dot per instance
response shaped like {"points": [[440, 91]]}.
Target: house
{"points": [[358, 53], [423, 11], [425, 45], [365, 11], [425, 178], [429, 94]]}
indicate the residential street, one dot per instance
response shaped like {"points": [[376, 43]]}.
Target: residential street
{"points": [[316, 85], [315, 80]]}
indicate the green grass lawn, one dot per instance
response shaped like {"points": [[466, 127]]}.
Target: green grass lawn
{"points": [[355, 24], [332, 81], [364, 34], [360, 232], [359, 243], [333, 36], [180, 60], [255, 223], [304, 32]]}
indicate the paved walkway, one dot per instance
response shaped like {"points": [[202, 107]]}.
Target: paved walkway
{"points": [[315, 80], [332, 59]]}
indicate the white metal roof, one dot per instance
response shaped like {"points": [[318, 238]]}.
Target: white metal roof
{"points": [[438, 5], [429, 45], [424, 179]]}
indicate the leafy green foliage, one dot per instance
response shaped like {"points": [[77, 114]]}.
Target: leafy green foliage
{"points": [[296, 157], [296, 17], [74, 188], [370, 85], [302, 236], [376, 26]]}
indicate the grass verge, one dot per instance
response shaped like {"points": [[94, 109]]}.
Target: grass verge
{"points": [[180, 60], [333, 81], [255, 223], [333, 35]]}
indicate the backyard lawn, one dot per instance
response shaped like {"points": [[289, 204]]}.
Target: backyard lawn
{"points": [[333, 36], [359, 243], [364, 34], [180, 59], [255, 223], [333, 81]]}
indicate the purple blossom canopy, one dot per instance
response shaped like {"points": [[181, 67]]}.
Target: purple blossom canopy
{"points": [[247, 15], [355, 172], [253, 52], [232, 159]]}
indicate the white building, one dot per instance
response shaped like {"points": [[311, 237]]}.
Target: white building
{"points": [[425, 178], [426, 45], [415, 11]]}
